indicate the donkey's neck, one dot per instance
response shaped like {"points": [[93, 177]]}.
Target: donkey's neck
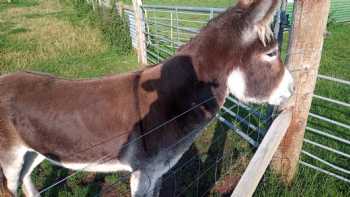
{"points": [[211, 69], [184, 97], [212, 59], [203, 78], [182, 90]]}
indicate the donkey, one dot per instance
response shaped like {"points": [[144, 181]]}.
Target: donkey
{"points": [[143, 121]]}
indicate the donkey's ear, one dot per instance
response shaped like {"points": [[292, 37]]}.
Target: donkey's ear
{"points": [[260, 13], [245, 3]]}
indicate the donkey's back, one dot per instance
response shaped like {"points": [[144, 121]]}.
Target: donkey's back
{"points": [[43, 108]]}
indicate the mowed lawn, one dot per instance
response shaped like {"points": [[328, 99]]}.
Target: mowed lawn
{"points": [[50, 36], [56, 37]]}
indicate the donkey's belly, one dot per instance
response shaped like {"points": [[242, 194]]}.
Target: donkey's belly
{"points": [[110, 166]]}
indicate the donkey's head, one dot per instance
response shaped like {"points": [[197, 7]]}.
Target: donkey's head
{"points": [[239, 46], [259, 75]]}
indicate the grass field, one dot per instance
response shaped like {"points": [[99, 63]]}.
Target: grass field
{"points": [[51, 36], [58, 37]]}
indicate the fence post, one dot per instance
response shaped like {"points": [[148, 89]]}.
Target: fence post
{"points": [[141, 39], [305, 48], [120, 7]]}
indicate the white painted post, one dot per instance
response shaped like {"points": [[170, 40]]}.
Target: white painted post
{"points": [[120, 8], [141, 39]]}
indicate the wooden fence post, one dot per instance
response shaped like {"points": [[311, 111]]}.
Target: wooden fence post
{"points": [[141, 39], [305, 49]]}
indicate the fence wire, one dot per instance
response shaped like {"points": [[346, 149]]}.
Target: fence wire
{"points": [[213, 161], [201, 172], [169, 27]]}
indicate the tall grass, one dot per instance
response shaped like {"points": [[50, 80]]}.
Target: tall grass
{"points": [[113, 26]]}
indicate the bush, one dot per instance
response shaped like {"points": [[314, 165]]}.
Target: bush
{"points": [[114, 27], [116, 32]]}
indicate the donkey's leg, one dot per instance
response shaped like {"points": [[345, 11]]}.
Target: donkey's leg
{"points": [[12, 163], [32, 160], [157, 187], [142, 184], [4, 192]]}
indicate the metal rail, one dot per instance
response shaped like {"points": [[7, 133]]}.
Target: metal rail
{"points": [[182, 8], [326, 162], [332, 100], [339, 139], [324, 171], [327, 148], [342, 81], [334, 122]]}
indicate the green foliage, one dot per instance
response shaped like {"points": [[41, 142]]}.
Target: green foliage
{"points": [[110, 179], [116, 32], [331, 19], [114, 27], [4, 4]]}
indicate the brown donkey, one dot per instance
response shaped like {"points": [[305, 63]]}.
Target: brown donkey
{"points": [[142, 121]]}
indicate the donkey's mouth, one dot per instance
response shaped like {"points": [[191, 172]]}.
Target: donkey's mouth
{"points": [[283, 91], [280, 101]]}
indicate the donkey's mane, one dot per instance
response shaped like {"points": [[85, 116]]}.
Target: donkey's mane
{"points": [[265, 33]]}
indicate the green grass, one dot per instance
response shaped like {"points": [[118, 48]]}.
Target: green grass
{"points": [[69, 40], [64, 39], [17, 3]]}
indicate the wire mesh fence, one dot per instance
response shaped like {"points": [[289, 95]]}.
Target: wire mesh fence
{"points": [[215, 159]]}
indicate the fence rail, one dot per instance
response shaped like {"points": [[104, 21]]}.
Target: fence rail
{"points": [[329, 133]]}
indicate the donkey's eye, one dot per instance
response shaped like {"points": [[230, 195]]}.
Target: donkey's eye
{"points": [[272, 53]]}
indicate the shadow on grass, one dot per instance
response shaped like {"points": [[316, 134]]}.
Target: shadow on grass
{"points": [[49, 175], [196, 173]]}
